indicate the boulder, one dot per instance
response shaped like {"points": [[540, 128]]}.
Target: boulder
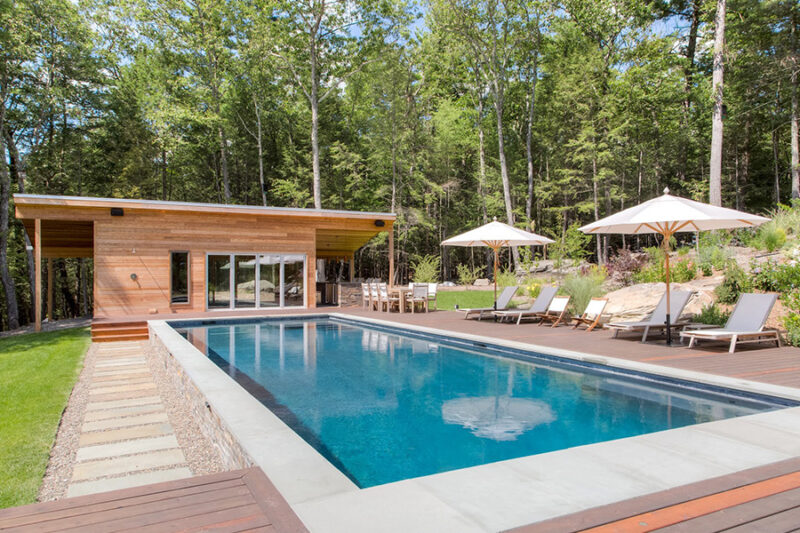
{"points": [[638, 301], [483, 282]]}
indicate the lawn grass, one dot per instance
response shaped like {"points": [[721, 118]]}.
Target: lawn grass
{"points": [[447, 300], [37, 374]]}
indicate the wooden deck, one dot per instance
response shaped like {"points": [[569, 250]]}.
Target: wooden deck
{"points": [[762, 362], [240, 500], [759, 499]]}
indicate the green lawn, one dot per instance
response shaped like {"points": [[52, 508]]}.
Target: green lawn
{"points": [[37, 373], [447, 300]]}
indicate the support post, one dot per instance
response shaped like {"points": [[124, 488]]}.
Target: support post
{"points": [[352, 267], [391, 255], [50, 289], [37, 254]]}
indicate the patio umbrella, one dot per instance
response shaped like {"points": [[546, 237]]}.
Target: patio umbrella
{"points": [[667, 215], [496, 235]]}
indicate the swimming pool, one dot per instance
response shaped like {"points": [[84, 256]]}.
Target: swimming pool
{"points": [[384, 404]]}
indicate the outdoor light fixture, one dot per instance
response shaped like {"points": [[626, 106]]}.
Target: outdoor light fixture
{"points": [[117, 212], [380, 223], [134, 277]]}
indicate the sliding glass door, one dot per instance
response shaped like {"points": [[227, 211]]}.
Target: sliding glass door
{"points": [[248, 281]]}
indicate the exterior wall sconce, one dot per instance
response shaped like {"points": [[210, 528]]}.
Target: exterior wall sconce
{"points": [[134, 277]]}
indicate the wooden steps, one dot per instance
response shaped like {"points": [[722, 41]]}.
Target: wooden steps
{"points": [[120, 331]]}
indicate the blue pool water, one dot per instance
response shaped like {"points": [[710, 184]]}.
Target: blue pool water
{"points": [[382, 406]]}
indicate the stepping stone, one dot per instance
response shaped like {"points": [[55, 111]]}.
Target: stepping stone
{"points": [[135, 480], [102, 451], [113, 423], [118, 382], [120, 363], [142, 369], [96, 405], [121, 412], [127, 464], [122, 395], [123, 388], [116, 377], [113, 435]]}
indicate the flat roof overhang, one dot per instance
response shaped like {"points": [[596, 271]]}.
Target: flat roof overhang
{"points": [[68, 221]]}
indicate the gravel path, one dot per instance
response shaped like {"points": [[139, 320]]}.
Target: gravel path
{"points": [[124, 425]]}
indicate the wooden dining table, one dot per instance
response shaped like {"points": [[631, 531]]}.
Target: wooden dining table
{"points": [[402, 292]]}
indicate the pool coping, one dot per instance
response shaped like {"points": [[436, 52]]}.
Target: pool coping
{"points": [[499, 495]]}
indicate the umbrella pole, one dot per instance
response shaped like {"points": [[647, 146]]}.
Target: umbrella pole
{"points": [[666, 261], [495, 279]]}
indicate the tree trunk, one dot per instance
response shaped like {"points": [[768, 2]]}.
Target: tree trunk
{"points": [[482, 162], [529, 135], [223, 160], [9, 288], [498, 107], [776, 168], [260, 143], [599, 244], [795, 148], [314, 101], [691, 48], [715, 165], [163, 174], [18, 170]]}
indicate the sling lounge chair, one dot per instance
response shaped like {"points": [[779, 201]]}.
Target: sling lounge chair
{"points": [[658, 319], [556, 311], [591, 316], [746, 323], [502, 302], [538, 307]]}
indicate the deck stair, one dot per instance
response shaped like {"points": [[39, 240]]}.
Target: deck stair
{"points": [[119, 331]]}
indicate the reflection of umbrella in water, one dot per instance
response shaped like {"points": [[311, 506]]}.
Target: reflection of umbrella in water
{"points": [[499, 418]]}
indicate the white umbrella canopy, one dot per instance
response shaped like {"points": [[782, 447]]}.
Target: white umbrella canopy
{"points": [[668, 215], [496, 235], [499, 418]]}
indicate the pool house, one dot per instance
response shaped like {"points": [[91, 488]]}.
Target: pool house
{"points": [[155, 259]]}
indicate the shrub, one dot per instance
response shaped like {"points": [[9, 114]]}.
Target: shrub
{"points": [[571, 245], [713, 251], [735, 282], [772, 238], [426, 268], [583, 287], [706, 269], [467, 275], [682, 271], [712, 314], [684, 250], [532, 287], [506, 278], [623, 266], [792, 321], [772, 276]]}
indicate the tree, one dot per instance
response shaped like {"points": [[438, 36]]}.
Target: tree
{"points": [[715, 166]]}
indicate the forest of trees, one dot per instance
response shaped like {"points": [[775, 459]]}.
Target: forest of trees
{"points": [[543, 113]]}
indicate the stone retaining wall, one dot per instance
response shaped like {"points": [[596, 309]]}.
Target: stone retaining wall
{"points": [[231, 453]]}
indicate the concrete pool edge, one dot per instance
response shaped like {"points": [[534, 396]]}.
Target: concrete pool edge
{"points": [[300, 473], [499, 495]]}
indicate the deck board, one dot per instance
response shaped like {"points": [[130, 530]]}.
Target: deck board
{"points": [[240, 500]]}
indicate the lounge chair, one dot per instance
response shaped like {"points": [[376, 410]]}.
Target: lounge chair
{"points": [[746, 323], [538, 307], [502, 303], [658, 319], [591, 316], [556, 311]]}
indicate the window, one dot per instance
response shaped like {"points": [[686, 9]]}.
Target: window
{"points": [[179, 277], [240, 281], [219, 281]]}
